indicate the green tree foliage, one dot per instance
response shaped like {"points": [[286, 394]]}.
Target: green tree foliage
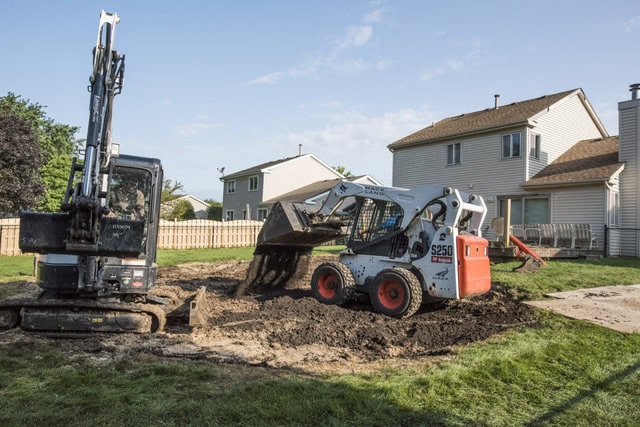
{"points": [[57, 145], [214, 211], [183, 210], [343, 170], [171, 190], [20, 185]]}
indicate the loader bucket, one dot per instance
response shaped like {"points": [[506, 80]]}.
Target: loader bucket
{"points": [[289, 225], [283, 248]]}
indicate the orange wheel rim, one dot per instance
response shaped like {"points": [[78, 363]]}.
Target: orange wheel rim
{"points": [[327, 285], [391, 294]]}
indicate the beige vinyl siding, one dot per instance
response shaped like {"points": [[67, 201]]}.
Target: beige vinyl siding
{"points": [[629, 204], [482, 170], [560, 127], [586, 205], [294, 174]]}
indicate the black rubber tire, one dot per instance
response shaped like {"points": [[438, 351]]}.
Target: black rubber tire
{"points": [[396, 293], [333, 283]]}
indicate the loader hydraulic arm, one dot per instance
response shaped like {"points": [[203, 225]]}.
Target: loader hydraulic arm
{"points": [[85, 195]]}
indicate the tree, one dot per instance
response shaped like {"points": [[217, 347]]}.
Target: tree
{"points": [[20, 161], [57, 145], [171, 190], [214, 211], [343, 170], [183, 210]]}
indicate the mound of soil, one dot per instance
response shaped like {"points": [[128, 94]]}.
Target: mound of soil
{"points": [[286, 327]]}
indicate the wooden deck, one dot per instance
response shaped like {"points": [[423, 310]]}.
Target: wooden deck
{"points": [[497, 251]]}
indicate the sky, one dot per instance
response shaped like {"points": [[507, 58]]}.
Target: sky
{"points": [[213, 84]]}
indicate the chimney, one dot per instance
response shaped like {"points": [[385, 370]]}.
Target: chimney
{"points": [[496, 98], [299, 150], [629, 153]]}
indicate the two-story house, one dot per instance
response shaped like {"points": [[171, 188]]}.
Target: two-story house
{"points": [[247, 191], [551, 156]]}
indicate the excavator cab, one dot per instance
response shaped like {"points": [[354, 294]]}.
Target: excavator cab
{"points": [[128, 236]]}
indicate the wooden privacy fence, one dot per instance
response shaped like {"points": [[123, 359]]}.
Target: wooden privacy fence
{"points": [[9, 234], [192, 234], [202, 233]]}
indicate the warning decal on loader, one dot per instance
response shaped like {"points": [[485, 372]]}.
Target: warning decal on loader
{"points": [[442, 259]]}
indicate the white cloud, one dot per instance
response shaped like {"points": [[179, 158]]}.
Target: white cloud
{"points": [[354, 37], [631, 25], [356, 140], [453, 64], [199, 125]]}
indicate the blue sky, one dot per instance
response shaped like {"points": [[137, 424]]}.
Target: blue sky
{"points": [[211, 84]]}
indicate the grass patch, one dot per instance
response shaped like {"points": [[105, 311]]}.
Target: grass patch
{"points": [[568, 275], [16, 268]]}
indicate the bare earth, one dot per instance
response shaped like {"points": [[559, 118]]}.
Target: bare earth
{"points": [[614, 307], [286, 327]]}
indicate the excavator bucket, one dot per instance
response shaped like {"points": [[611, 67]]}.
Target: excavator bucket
{"points": [[283, 248]]}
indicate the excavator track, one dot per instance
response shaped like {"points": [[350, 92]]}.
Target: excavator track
{"points": [[73, 317]]}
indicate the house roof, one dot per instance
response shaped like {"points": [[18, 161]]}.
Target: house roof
{"points": [[257, 168], [308, 191], [591, 160], [264, 167], [484, 120]]}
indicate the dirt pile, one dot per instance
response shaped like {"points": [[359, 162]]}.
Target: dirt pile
{"points": [[273, 268], [286, 327]]}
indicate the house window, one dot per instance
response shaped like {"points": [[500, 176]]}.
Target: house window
{"points": [[228, 216], [453, 154], [527, 210], [534, 146], [614, 209], [262, 214], [253, 183], [511, 145], [231, 186]]}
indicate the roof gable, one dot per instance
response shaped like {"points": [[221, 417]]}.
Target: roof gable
{"points": [[265, 167], [318, 188], [481, 121], [587, 161]]}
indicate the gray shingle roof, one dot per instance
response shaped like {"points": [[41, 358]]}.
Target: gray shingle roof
{"points": [[592, 160], [491, 118], [257, 168], [299, 195]]}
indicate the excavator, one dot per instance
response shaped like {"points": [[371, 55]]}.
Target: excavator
{"points": [[405, 247], [95, 259]]}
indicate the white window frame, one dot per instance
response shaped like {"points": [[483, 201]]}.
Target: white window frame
{"points": [[523, 206], [252, 179], [511, 143], [230, 186], [534, 146], [228, 215], [264, 212], [451, 154], [614, 209]]}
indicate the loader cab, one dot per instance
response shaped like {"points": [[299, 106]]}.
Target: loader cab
{"points": [[376, 228]]}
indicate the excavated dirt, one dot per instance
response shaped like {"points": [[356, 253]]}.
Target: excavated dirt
{"points": [[286, 327]]}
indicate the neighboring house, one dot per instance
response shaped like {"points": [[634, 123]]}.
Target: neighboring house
{"points": [[245, 192], [316, 192], [550, 155], [199, 206]]}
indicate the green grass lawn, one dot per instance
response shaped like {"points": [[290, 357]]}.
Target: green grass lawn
{"points": [[559, 372]]}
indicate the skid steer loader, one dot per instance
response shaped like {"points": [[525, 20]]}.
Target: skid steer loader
{"points": [[405, 246]]}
